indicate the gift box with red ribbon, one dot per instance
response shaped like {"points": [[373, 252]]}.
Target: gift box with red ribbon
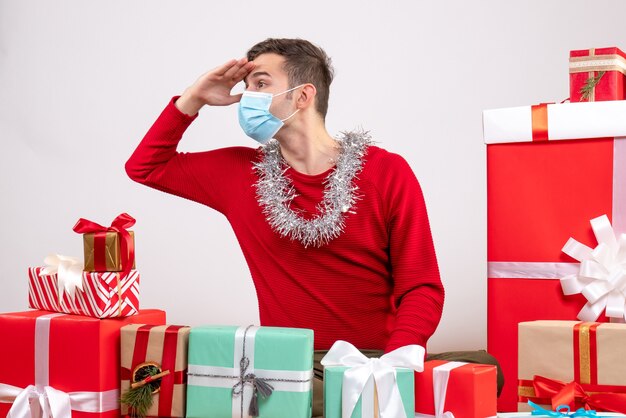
{"points": [[155, 358], [53, 364], [597, 74], [550, 170], [462, 390], [577, 364], [109, 248]]}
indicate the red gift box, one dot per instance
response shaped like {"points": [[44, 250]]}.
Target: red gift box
{"points": [[539, 194], [103, 295], [57, 359], [469, 390], [605, 68]]}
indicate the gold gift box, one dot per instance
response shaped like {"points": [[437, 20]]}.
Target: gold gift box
{"points": [[112, 251]]}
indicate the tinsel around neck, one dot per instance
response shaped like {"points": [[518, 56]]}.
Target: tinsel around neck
{"points": [[275, 192]]}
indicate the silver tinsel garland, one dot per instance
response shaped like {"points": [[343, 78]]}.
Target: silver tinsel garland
{"points": [[275, 192]]}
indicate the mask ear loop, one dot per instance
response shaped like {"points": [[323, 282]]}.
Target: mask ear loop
{"points": [[289, 117], [287, 91]]}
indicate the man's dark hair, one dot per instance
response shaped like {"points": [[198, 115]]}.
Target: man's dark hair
{"points": [[304, 63]]}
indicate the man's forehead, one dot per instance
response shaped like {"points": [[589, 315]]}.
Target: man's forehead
{"points": [[268, 65]]}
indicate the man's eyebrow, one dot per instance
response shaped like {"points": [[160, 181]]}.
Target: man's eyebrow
{"points": [[257, 74]]}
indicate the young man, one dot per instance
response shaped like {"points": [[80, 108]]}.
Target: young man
{"points": [[334, 230]]}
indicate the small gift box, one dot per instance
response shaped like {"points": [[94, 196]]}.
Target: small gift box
{"points": [[154, 360], [597, 74], [464, 390], [108, 248], [550, 170], [359, 387], [249, 371], [65, 366], [577, 364], [64, 287]]}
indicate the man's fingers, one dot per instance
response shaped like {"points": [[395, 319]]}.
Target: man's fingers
{"points": [[243, 72], [222, 69], [235, 98], [234, 68]]}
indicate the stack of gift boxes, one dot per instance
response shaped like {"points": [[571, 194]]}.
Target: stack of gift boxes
{"points": [[87, 350], [556, 187]]}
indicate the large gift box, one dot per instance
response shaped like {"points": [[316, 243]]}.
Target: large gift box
{"points": [[150, 350], [109, 248], [97, 294], [359, 387], [465, 390], [597, 74], [550, 170], [577, 364], [239, 371], [63, 365]]}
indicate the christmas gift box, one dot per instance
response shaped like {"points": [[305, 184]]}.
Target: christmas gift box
{"points": [[108, 248], [154, 369], [597, 74], [249, 371], [462, 390], [53, 364], [550, 170], [70, 290], [359, 387], [571, 363]]}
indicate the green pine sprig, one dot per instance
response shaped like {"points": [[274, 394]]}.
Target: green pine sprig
{"points": [[140, 399], [590, 84]]}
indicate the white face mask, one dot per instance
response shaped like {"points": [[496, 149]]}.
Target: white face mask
{"points": [[255, 118]]}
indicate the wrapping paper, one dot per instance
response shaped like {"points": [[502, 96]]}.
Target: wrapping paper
{"points": [[588, 63], [540, 192], [469, 392], [220, 383], [591, 354], [69, 353], [103, 295], [165, 346], [110, 252]]}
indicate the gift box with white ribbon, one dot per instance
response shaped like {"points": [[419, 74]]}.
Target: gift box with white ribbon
{"points": [[62, 366], [551, 169]]}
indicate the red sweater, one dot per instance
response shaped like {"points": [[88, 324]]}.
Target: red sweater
{"points": [[377, 285]]}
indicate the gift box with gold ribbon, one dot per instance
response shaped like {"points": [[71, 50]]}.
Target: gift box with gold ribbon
{"points": [[577, 364], [154, 369], [597, 74]]}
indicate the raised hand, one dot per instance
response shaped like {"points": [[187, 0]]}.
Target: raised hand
{"points": [[214, 87]]}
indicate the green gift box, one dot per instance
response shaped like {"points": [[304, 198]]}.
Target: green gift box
{"points": [[333, 386], [232, 369]]}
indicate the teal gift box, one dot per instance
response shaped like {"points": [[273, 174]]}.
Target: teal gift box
{"points": [[333, 386], [231, 369]]}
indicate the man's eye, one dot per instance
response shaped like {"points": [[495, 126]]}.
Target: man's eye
{"points": [[260, 84]]}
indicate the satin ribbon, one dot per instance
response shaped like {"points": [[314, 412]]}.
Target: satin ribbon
{"points": [[561, 411], [441, 376], [539, 117], [69, 271], [42, 400], [602, 274], [119, 225], [574, 395], [382, 370]]}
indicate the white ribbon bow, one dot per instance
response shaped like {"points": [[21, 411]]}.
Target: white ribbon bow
{"points": [[382, 369], [69, 271], [441, 376], [602, 275]]}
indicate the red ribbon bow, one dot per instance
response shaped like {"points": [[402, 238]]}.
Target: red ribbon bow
{"points": [[119, 225], [574, 395]]}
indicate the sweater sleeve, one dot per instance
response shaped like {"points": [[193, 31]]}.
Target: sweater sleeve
{"points": [[205, 177], [418, 293]]}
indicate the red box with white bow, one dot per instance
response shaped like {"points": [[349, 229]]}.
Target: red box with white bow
{"points": [[65, 364], [551, 169]]}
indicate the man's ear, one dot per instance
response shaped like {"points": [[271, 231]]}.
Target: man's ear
{"points": [[307, 96]]}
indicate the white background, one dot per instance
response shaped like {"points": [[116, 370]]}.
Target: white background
{"points": [[81, 82]]}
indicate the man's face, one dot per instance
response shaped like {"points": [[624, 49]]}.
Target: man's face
{"points": [[268, 76]]}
